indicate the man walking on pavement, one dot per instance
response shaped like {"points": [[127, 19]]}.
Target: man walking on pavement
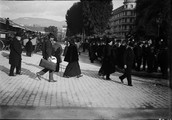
{"points": [[15, 55], [47, 52], [128, 62]]}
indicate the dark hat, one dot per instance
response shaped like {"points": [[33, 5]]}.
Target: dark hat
{"points": [[131, 44], [108, 40], [72, 41], [51, 35]]}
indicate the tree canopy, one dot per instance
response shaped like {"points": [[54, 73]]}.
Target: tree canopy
{"points": [[90, 17], [74, 19], [96, 15], [152, 18], [51, 29]]}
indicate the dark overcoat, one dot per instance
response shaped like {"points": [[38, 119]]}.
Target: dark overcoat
{"points": [[29, 46], [129, 57], [57, 51], [71, 54], [46, 49], [92, 52], [108, 65], [15, 52]]}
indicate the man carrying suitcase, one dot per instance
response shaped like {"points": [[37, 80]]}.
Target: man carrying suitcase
{"points": [[47, 52]]}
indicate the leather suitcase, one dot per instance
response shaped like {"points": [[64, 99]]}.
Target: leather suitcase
{"points": [[47, 64]]}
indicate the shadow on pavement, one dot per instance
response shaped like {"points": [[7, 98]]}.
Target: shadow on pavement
{"points": [[30, 64], [24, 71], [4, 69], [28, 73]]}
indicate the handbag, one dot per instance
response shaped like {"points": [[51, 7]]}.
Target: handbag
{"points": [[47, 64]]}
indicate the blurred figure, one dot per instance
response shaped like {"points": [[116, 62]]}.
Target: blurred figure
{"points": [[15, 55], [151, 57], [121, 50], [138, 56], [29, 48], [92, 51], [145, 50], [78, 44], [163, 59], [66, 47], [57, 51], [128, 63]]}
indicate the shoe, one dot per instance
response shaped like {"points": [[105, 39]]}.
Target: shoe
{"points": [[12, 75], [18, 73], [130, 85], [121, 80], [65, 76], [38, 75], [52, 81], [79, 75], [108, 79]]}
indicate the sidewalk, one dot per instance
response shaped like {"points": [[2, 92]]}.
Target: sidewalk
{"points": [[88, 97]]}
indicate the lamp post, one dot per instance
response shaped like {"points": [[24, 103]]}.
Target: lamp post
{"points": [[159, 21]]}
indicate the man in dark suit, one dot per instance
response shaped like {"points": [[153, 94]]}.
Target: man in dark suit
{"points": [[29, 48], [47, 52], [128, 62], [15, 55]]}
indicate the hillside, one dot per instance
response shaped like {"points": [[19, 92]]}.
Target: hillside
{"points": [[27, 21]]}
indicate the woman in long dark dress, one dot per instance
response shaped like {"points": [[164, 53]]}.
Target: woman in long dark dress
{"points": [[73, 68], [108, 65]]}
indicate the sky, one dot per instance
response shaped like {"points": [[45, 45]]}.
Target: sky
{"points": [[55, 10]]}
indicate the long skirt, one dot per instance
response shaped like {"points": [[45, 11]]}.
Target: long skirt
{"points": [[108, 67], [72, 69]]}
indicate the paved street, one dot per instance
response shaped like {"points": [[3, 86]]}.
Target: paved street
{"points": [[89, 97]]}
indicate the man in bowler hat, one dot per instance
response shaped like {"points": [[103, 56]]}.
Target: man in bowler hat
{"points": [[128, 62], [15, 55]]}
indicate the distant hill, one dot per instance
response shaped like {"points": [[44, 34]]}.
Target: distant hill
{"points": [[28, 21]]}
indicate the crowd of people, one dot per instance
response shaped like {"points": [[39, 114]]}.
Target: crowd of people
{"points": [[31, 42], [49, 48], [149, 57], [127, 55]]}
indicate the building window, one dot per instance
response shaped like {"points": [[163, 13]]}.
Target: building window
{"points": [[128, 20], [131, 6], [128, 12], [128, 27]]}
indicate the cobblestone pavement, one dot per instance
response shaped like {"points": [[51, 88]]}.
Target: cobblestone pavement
{"points": [[89, 91]]}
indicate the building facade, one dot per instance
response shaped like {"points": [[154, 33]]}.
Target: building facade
{"points": [[123, 18]]}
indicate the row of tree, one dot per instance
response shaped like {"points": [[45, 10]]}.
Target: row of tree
{"points": [[152, 18], [88, 17], [51, 29]]}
